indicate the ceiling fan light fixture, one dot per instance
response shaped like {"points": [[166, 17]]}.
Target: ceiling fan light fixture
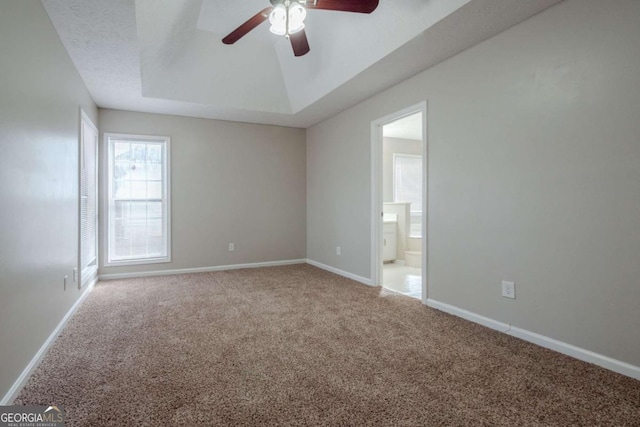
{"points": [[297, 14], [287, 18], [278, 20]]}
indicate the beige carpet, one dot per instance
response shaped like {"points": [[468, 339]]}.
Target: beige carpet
{"points": [[299, 346]]}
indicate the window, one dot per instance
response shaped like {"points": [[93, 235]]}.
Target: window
{"points": [[138, 199], [407, 187], [88, 199]]}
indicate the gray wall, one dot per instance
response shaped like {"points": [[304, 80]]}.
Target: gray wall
{"points": [[534, 172], [40, 98], [230, 182]]}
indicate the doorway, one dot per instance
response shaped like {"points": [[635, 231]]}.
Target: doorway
{"points": [[399, 202]]}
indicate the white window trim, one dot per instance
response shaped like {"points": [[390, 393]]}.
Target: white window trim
{"points": [[166, 188]]}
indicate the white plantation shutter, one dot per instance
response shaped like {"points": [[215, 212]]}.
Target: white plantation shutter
{"points": [[88, 196]]}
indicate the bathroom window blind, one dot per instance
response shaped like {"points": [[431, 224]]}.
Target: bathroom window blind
{"points": [[407, 187], [407, 180]]}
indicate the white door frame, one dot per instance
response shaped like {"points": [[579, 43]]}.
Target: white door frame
{"points": [[376, 194]]}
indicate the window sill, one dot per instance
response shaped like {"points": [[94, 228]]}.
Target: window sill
{"points": [[143, 261]]}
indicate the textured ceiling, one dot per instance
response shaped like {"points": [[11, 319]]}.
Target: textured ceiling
{"points": [[166, 56]]}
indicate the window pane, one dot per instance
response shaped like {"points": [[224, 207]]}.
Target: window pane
{"points": [[120, 247], [154, 171], [139, 210], [155, 237], [138, 190], [122, 189], [138, 152], [154, 189], [138, 232], [154, 153], [154, 210], [122, 151]]}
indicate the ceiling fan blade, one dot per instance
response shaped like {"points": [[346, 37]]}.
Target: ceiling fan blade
{"points": [[243, 29], [358, 6], [299, 43]]}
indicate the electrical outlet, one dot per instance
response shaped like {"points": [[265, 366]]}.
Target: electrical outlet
{"points": [[65, 282], [508, 289], [338, 250], [232, 247]]}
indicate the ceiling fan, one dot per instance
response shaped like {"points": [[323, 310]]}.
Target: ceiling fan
{"points": [[287, 19]]}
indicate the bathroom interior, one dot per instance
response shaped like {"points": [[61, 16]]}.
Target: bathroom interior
{"points": [[402, 169]]}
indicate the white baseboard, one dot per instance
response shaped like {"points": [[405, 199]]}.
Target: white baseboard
{"points": [[200, 269], [468, 315], [339, 272], [585, 355], [13, 392]]}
